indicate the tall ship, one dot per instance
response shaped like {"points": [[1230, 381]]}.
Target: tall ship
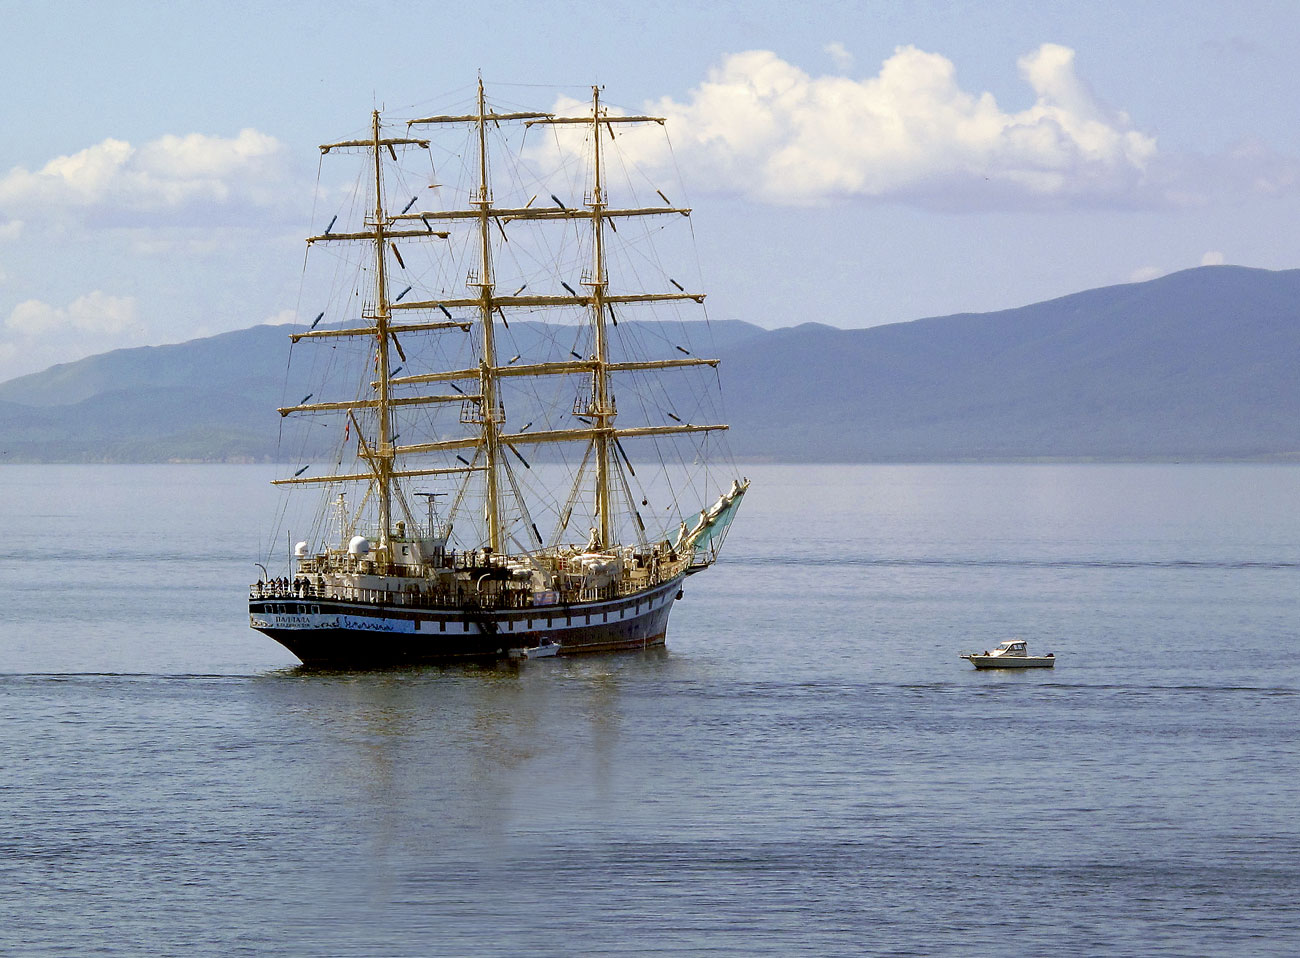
{"points": [[522, 455]]}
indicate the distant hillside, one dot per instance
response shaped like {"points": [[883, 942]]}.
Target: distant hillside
{"points": [[214, 399], [1199, 364]]}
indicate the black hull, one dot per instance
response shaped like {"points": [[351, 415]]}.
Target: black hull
{"points": [[342, 634]]}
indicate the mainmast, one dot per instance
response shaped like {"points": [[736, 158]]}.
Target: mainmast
{"points": [[488, 405], [381, 457]]}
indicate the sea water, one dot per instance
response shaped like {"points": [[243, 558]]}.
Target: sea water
{"points": [[809, 769]]}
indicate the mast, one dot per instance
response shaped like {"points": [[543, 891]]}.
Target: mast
{"points": [[488, 404], [483, 412], [382, 455], [602, 410]]}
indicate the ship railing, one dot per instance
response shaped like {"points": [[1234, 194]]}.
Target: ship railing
{"points": [[434, 598], [278, 589], [461, 597]]}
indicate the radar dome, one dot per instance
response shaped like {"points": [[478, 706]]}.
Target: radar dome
{"points": [[300, 550], [358, 546]]}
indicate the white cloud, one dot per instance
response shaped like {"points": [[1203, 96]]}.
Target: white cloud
{"points": [[762, 127], [173, 176], [1213, 258], [840, 56], [11, 230], [38, 334], [283, 318], [1144, 273], [96, 313]]}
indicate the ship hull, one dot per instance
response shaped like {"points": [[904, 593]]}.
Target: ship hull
{"points": [[336, 633]]}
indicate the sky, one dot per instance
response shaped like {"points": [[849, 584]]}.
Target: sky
{"points": [[849, 163]]}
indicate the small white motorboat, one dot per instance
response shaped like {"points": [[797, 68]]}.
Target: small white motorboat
{"points": [[546, 649], [1012, 654]]}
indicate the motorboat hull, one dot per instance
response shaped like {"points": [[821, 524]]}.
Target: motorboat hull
{"points": [[1011, 661]]}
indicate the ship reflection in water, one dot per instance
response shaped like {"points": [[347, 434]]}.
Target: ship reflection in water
{"points": [[531, 744]]}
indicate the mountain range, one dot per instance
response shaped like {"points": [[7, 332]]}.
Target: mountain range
{"points": [[1199, 364]]}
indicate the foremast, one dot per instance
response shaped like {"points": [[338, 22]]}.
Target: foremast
{"points": [[602, 408]]}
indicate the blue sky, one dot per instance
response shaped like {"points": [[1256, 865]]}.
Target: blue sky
{"points": [[848, 163]]}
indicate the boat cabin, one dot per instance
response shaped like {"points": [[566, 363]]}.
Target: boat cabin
{"points": [[1012, 647]]}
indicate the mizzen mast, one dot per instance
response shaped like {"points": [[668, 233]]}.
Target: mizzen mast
{"points": [[602, 406], [379, 455]]}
